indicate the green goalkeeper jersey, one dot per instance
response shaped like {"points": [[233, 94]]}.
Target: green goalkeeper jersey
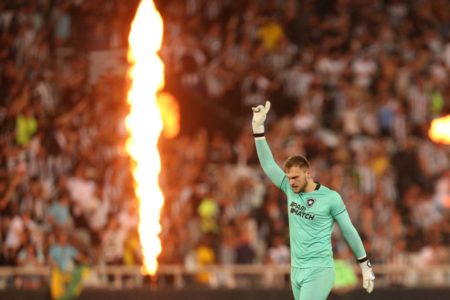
{"points": [[311, 217]]}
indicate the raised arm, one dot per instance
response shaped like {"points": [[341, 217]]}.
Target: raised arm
{"points": [[268, 164]]}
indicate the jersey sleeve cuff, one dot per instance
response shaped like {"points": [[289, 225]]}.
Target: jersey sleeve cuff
{"points": [[361, 260]]}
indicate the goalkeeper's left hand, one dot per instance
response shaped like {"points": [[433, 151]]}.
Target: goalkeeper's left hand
{"points": [[259, 116], [367, 274]]}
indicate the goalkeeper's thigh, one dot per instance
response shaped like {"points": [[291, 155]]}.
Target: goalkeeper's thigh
{"points": [[312, 283]]}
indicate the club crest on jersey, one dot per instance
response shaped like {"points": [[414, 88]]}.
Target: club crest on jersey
{"points": [[310, 202]]}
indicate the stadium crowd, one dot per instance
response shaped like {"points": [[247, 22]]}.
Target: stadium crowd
{"points": [[354, 86]]}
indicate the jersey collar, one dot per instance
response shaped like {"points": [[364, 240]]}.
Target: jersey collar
{"points": [[317, 186]]}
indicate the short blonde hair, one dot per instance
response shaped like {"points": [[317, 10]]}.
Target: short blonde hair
{"points": [[296, 160]]}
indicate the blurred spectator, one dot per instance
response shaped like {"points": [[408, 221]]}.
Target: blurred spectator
{"points": [[63, 255], [113, 242], [62, 19], [30, 258], [132, 254], [204, 256], [66, 274], [207, 210], [346, 279], [58, 213], [21, 229], [279, 252], [245, 254], [26, 127]]}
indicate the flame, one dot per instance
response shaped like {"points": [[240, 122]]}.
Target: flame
{"points": [[439, 131], [170, 113], [144, 125]]}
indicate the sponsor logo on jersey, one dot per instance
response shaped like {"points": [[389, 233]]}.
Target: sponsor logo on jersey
{"points": [[299, 210]]}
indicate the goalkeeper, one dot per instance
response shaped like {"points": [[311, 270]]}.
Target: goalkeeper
{"points": [[313, 209]]}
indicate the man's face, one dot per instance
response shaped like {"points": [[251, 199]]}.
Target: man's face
{"points": [[297, 178]]}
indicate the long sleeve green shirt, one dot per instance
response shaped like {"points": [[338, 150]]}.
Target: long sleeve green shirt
{"points": [[311, 217]]}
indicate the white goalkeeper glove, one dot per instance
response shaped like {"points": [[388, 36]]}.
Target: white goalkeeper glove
{"points": [[367, 274], [259, 116]]}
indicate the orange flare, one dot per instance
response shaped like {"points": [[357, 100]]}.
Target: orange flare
{"points": [[439, 131]]}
